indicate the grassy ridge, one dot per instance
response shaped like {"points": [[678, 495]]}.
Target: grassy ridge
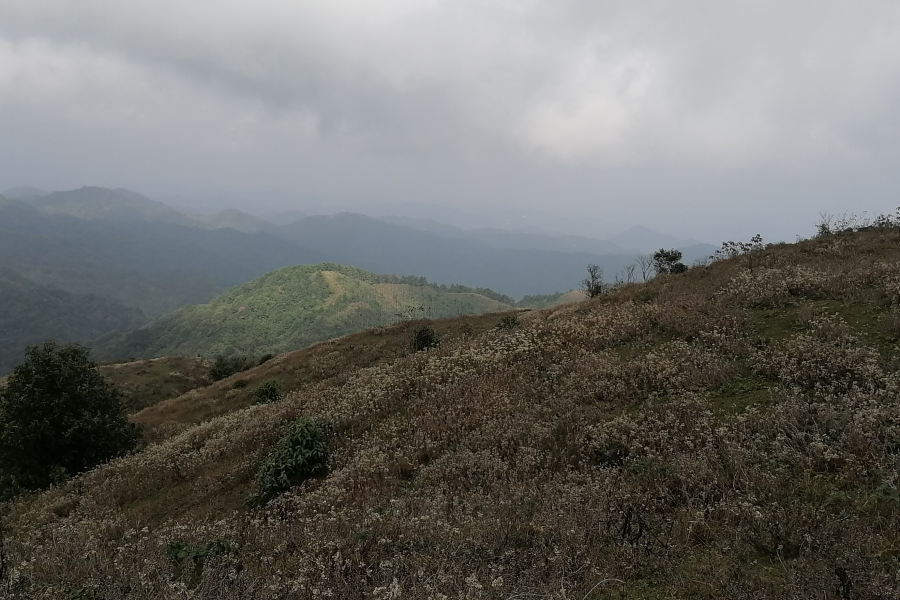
{"points": [[730, 432], [292, 308]]}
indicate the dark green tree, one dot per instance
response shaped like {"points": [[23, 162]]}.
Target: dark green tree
{"points": [[424, 338], [58, 417], [668, 262]]}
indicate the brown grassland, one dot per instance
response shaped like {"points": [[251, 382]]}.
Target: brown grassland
{"points": [[147, 382], [733, 431]]}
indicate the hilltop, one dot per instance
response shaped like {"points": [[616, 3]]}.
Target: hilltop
{"points": [[727, 432], [295, 307]]}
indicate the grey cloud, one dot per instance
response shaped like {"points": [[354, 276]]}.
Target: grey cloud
{"points": [[688, 113]]}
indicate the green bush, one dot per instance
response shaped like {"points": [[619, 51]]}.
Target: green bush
{"points": [[226, 366], [58, 417], [508, 322], [424, 338], [301, 453], [265, 358], [267, 392]]}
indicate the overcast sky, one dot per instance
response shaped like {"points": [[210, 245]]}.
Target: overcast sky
{"points": [[711, 120]]}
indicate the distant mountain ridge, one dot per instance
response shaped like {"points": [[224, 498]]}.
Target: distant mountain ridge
{"points": [[152, 265], [372, 244], [137, 253], [293, 307], [644, 239], [114, 205]]}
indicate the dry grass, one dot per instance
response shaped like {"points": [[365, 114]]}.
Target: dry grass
{"points": [[729, 432], [145, 383], [332, 362]]}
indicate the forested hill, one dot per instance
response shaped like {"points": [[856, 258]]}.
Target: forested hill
{"points": [[31, 313], [297, 306]]}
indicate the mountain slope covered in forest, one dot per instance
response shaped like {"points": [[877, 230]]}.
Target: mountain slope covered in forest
{"points": [[31, 313], [294, 307]]}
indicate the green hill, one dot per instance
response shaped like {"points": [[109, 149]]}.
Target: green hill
{"points": [[294, 307], [31, 313]]}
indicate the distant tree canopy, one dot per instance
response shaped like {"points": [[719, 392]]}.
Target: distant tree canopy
{"points": [[452, 288], [668, 262], [58, 417]]}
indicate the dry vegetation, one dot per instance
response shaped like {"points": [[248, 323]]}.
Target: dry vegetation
{"points": [[730, 432], [145, 383]]}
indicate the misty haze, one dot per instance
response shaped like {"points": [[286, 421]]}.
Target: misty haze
{"points": [[449, 300]]}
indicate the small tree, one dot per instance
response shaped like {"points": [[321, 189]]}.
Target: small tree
{"points": [[424, 338], [668, 262], [645, 262], [592, 285], [58, 417]]}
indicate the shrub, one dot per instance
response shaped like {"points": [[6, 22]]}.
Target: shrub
{"points": [[240, 384], [267, 392], [424, 338], [265, 358], [226, 366], [58, 417], [300, 454], [508, 322]]}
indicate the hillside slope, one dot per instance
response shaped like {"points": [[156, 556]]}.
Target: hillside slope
{"points": [[731, 432], [32, 313], [292, 308]]}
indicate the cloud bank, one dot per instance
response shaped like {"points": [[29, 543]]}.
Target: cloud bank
{"points": [[691, 110]]}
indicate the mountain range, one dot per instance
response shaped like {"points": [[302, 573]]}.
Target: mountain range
{"points": [[146, 259]]}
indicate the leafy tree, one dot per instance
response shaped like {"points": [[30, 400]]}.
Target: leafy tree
{"points": [[668, 262], [58, 417], [592, 285]]}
